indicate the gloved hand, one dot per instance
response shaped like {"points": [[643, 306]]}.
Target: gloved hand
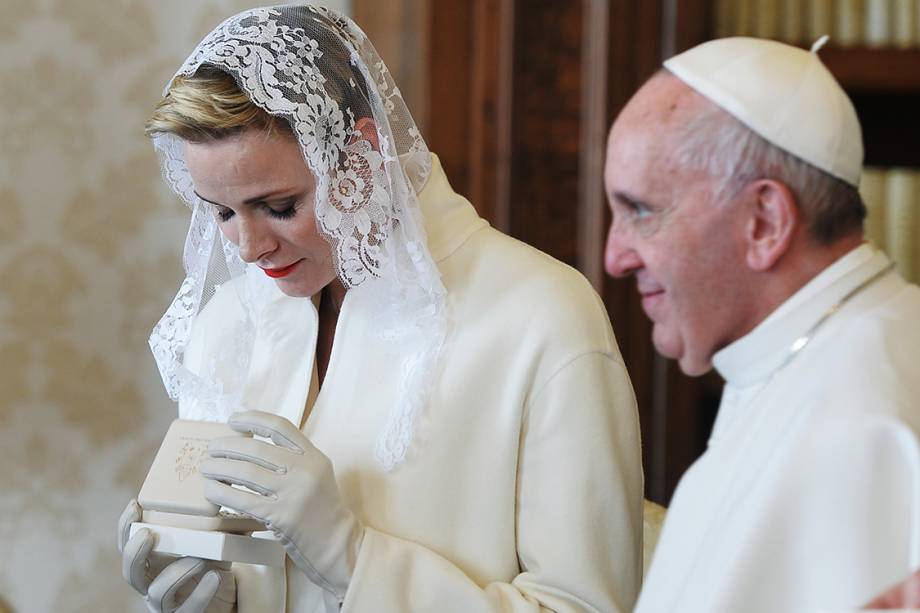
{"points": [[173, 585], [293, 491]]}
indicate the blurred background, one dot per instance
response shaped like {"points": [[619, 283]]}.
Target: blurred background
{"points": [[514, 95]]}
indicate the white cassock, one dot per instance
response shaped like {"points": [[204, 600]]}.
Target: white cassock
{"points": [[525, 492], [808, 495]]}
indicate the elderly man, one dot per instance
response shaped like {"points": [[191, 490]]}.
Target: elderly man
{"points": [[732, 178]]}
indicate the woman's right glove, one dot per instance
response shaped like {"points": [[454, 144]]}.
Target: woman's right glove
{"points": [[173, 585]]}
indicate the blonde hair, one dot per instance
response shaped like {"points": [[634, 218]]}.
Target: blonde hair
{"points": [[207, 106]]}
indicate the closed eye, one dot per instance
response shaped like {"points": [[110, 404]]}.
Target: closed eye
{"points": [[283, 210]]}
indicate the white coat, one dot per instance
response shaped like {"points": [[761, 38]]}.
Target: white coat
{"points": [[524, 492], [808, 496]]}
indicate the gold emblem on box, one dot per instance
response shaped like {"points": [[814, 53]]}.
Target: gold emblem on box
{"points": [[189, 457]]}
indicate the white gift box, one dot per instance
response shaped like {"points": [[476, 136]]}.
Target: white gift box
{"points": [[211, 545]]}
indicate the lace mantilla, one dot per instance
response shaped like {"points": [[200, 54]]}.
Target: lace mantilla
{"points": [[317, 70]]}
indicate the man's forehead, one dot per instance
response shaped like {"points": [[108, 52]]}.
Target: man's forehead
{"points": [[645, 136], [654, 122], [663, 101]]}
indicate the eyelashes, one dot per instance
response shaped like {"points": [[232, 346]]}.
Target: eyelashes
{"points": [[225, 214], [286, 213]]}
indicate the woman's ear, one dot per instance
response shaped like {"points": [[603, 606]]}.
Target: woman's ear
{"points": [[368, 130], [772, 223]]}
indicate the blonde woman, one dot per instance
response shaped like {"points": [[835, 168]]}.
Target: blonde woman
{"points": [[451, 426]]}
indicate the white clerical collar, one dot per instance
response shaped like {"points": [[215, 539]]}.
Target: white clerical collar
{"points": [[758, 354]]}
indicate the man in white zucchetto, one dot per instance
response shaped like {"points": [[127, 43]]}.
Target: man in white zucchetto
{"points": [[732, 176]]}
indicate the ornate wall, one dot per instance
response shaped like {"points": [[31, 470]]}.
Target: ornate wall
{"points": [[89, 258]]}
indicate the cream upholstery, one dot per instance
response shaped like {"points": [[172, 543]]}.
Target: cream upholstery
{"points": [[652, 519]]}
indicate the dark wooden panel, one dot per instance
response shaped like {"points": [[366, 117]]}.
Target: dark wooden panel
{"points": [[450, 43], [594, 123], [545, 132], [686, 24], [489, 152]]}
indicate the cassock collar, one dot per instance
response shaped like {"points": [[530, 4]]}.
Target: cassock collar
{"points": [[755, 356]]}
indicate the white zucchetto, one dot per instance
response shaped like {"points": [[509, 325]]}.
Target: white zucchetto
{"points": [[783, 93]]}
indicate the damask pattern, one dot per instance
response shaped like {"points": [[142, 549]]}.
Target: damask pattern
{"points": [[46, 111], [143, 297], [15, 359], [122, 202], [79, 381], [39, 270], [90, 19], [46, 478], [90, 241], [12, 222], [15, 13]]}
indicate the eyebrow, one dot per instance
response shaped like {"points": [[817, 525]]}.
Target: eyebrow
{"points": [[255, 200]]}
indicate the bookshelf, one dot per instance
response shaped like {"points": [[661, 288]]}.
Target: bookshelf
{"points": [[867, 70]]}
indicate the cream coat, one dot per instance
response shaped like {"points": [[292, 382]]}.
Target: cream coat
{"points": [[808, 496], [524, 492]]}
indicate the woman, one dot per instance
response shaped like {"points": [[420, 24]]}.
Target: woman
{"points": [[465, 388]]}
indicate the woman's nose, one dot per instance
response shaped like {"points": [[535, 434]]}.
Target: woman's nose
{"points": [[255, 241]]}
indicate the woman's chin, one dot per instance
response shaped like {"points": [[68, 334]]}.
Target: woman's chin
{"points": [[300, 288], [297, 289]]}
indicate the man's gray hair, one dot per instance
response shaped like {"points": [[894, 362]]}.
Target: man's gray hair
{"points": [[733, 154]]}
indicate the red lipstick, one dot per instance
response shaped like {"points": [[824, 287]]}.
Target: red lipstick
{"points": [[277, 273]]}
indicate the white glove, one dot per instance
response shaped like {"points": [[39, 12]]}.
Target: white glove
{"points": [[165, 582], [293, 491]]}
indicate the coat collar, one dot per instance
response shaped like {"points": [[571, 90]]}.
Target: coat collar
{"points": [[449, 217]]}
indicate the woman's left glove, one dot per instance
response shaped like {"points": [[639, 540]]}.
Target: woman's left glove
{"points": [[293, 491], [177, 585]]}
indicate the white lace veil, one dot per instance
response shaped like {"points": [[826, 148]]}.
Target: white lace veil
{"points": [[317, 70]]}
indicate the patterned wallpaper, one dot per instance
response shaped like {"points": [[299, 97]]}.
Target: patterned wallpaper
{"points": [[89, 258]]}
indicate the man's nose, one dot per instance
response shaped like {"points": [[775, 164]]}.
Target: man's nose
{"points": [[620, 257], [256, 242]]}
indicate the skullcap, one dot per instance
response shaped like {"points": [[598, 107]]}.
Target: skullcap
{"points": [[783, 93]]}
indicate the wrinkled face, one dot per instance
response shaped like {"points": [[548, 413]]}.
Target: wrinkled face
{"points": [[262, 194], [684, 249]]}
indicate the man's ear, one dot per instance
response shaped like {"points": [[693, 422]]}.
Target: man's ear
{"points": [[772, 224], [368, 130]]}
